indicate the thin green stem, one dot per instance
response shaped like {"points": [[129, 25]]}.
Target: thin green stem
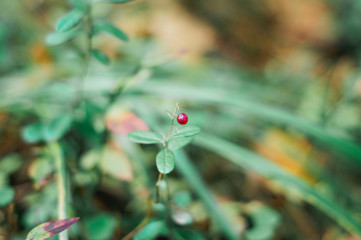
{"points": [[87, 55], [61, 181], [171, 127]]}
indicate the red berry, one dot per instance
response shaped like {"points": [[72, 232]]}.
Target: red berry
{"points": [[182, 119]]}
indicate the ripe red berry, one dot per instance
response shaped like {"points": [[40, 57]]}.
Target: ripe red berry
{"points": [[182, 119]]}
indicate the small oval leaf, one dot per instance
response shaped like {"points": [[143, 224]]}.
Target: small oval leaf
{"points": [[57, 127], [32, 133], [100, 56], [7, 195], [57, 38], [70, 20], [151, 231], [145, 137], [179, 142], [165, 161], [109, 28], [49, 229], [187, 131]]}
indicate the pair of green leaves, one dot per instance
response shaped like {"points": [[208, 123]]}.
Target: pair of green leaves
{"points": [[110, 29], [66, 28], [47, 131], [165, 159]]}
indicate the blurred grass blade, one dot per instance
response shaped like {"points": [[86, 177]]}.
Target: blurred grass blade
{"points": [[107, 27], [266, 112], [253, 162], [70, 20], [185, 167]]}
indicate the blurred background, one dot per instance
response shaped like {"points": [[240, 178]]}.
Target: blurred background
{"points": [[274, 85]]}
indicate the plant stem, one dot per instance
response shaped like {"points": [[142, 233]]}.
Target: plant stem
{"points": [[87, 55], [171, 127], [61, 181]]}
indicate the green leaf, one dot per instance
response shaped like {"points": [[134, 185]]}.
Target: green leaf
{"points": [[10, 163], [179, 142], [101, 226], [187, 131], [100, 56], [253, 162], [57, 127], [145, 137], [70, 20], [165, 161], [109, 28], [265, 221], [113, 1], [32, 133], [49, 229], [182, 198], [57, 38], [151, 231], [189, 234], [7, 195], [40, 169]]}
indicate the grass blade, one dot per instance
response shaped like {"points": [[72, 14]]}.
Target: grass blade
{"points": [[190, 174], [255, 163], [266, 112]]}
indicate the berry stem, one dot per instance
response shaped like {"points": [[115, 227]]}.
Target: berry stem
{"points": [[172, 126]]}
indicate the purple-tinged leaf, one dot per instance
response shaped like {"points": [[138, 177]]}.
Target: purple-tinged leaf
{"points": [[49, 229]]}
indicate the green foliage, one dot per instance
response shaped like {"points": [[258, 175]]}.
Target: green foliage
{"points": [[113, 1], [48, 131], [179, 142], [57, 38], [57, 127], [187, 131], [253, 162], [32, 133], [152, 231], [189, 234], [7, 195], [265, 221], [109, 28], [182, 198], [101, 226], [165, 161], [70, 20], [10, 164], [41, 168], [145, 137], [110, 180], [101, 56]]}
